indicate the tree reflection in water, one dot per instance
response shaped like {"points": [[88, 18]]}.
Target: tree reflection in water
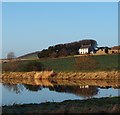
{"points": [[17, 88], [89, 91], [32, 87], [83, 91]]}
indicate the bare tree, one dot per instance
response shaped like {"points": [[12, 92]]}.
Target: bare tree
{"points": [[11, 55]]}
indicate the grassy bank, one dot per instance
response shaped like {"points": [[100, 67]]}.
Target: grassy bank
{"points": [[103, 62], [102, 105], [83, 63]]}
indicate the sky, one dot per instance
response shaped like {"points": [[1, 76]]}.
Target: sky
{"points": [[32, 26], [60, 0]]}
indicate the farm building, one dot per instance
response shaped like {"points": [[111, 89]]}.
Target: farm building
{"points": [[114, 50], [88, 47], [106, 50], [103, 50]]}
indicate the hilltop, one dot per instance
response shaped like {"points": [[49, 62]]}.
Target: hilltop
{"points": [[59, 50]]}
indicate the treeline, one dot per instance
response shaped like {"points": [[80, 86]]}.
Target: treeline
{"points": [[67, 49]]}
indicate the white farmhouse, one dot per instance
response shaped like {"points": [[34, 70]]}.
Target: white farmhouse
{"points": [[86, 49]]}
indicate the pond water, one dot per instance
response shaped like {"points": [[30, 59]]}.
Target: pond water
{"points": [[26, 93]]}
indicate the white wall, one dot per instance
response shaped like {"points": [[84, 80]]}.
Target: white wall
{"points": [[83, 51]]}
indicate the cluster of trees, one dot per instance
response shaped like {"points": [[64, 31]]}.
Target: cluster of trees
{"points": [[11, 55], [61, 50]]}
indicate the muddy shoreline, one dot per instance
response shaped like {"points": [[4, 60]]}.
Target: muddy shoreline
{"points": [[47, 78], [62, 75]]}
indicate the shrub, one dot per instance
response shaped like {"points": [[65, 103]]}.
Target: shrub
{"points": [[23, 66], [31, 66]]}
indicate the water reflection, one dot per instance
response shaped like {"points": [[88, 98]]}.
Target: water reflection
{"points": [[17, 88], [52, 82], [15, 91], [32, 87], [83, 91]]}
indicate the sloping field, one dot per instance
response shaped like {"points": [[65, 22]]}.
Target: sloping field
{"points": [[75, 63], [101, 62]]}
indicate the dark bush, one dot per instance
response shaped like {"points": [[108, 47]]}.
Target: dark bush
{"points": [[22, 66], [32, 66]]}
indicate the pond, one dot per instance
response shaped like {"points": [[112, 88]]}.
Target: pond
{"points": [[55, 91]]}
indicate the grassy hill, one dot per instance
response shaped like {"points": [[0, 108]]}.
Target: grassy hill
{"points": [[101, 62], [59, 50], [32, 55], [72, 63]]}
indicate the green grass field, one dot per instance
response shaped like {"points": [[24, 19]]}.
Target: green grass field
{"points": [[67, 64], [105, 62]]}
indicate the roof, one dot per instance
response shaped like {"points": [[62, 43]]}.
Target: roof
{"points": [[85, 46], [115, 48]]}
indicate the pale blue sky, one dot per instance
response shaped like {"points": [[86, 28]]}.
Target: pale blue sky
{"points": [[60, 0], [29, 27]]}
